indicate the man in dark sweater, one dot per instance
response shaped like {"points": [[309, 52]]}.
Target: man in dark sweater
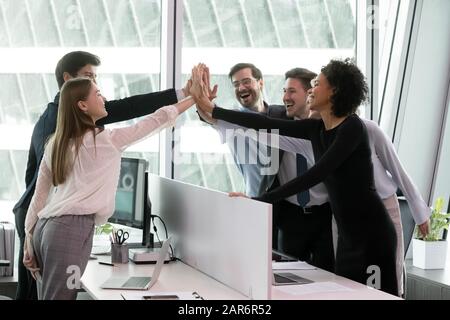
{"points": [[71, 65]]}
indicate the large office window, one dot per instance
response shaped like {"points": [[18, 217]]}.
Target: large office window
{"points": [[35, 34], [275, 35]]}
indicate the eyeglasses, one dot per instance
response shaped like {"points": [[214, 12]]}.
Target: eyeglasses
{"points": [[245, 82]]}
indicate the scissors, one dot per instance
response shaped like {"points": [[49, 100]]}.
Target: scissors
{"points": [[122, 236]]}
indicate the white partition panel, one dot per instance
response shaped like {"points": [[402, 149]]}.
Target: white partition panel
{"points": [[230, 239]]}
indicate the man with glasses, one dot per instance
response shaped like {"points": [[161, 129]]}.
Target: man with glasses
{"points": [[71, 65]]}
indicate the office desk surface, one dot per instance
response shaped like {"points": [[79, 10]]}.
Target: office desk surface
{"points": [[357, 290], [175, 276]]}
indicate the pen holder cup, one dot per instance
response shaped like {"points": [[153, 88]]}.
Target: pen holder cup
{"points": [[119, 253]]}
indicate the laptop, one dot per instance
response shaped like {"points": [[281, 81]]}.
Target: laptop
{"points": [[139, 283], [286, 278]]}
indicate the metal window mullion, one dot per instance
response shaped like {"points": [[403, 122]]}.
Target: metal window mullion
{"points": [[367, 53], [171, 37], [388, 67], [405, 77], [444, 127], [333, 33], [275, 27], [302, 24]]}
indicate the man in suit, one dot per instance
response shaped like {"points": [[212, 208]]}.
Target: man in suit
{"points": [[302, 223], [71, 65]]}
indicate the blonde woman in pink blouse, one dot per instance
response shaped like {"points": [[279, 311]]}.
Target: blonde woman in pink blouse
{"points": [[77, 182]]}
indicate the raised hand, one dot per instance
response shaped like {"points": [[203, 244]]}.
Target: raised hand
{"points": [[187, 87], [200, 91], [212, 94], [197, 89]]}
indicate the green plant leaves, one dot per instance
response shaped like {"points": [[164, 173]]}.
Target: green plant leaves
{"points": [[106, 228], [438, 222]]}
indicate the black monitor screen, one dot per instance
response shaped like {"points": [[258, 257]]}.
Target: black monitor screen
{"points": [[130, 195]]}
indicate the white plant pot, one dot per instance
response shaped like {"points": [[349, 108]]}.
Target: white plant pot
{"points": [[429, 254]]}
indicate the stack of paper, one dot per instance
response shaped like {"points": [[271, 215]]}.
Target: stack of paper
{"points": [[316, 287]]}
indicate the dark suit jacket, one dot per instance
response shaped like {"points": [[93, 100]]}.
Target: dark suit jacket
{"points": [[118, 110]]}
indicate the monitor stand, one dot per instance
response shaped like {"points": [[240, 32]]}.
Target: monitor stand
{"points": [[146, 243]]}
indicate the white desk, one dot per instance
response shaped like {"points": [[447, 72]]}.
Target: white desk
{"points": [[177, 276]]}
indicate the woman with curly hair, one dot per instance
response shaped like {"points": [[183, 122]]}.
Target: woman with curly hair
{"points": [[367, 239]]}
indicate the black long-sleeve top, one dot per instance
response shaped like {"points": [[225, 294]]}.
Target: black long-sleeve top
{"points": [[342, 160]]}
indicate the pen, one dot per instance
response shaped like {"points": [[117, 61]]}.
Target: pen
{"points": [[106, 263]]}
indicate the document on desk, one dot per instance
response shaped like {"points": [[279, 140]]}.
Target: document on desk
{"points": [[315, 287], [175, 295], [295, 265]]}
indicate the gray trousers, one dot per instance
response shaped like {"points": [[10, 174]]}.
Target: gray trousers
{"points": [[62, 246]]}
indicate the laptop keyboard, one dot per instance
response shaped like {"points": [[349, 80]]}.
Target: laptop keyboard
{"points": [[281, 279], [287, 277], [136, 282]]}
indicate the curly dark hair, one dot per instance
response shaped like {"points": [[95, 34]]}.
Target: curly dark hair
{"points": [[349, 86]]}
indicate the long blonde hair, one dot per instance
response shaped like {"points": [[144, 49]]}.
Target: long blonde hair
{"points": [[71, 125]]}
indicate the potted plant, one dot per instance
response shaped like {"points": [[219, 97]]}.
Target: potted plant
{"points": [[431, 252]]}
